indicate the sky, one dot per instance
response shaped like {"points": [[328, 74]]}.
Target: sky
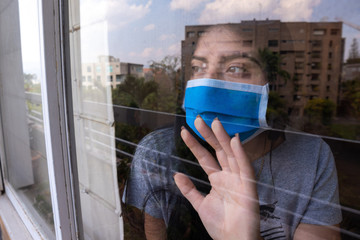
{"points": [[139, 31]]}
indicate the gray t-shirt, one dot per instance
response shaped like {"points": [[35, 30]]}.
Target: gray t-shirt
{"points": [[297, 184]]}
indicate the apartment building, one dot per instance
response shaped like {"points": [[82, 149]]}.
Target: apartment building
{"points": [[109, 70], [311, 52]]}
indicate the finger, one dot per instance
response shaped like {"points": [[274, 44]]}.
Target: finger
{"points": [[188, 189], [205, 159], [224, 141], [244, 163], [210, 137]]}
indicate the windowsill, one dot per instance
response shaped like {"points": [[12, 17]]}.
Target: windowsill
{"points": [[14, 226]]}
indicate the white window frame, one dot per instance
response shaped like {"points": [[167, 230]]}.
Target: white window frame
{"points": [[58, 127]]}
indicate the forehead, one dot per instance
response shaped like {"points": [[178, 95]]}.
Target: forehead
{"points": [[220, 42]]}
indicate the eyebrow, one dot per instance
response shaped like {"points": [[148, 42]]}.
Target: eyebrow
{"points": [[202, 59], [226, 56]]}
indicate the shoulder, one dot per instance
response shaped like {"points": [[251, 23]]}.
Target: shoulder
{"points": [[154, 149], [159, 140], [305, 148], [304, 160]]}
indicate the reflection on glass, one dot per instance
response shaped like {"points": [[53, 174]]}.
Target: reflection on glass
{"points": [[23, 119], [144, 64]]}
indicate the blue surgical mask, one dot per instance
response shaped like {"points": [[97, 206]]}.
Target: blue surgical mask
{"points": [[240, 107]]}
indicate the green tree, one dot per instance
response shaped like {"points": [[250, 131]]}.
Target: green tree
{"points": [[276, 114], [136, 92], [270, 63], [167, 74], [354, 50], [350, 104], [319, 112]]}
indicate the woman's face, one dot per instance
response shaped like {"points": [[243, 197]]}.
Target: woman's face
{"points": [[221, 55]]}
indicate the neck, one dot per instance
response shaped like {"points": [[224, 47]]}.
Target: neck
{"points": [[261, 145]]}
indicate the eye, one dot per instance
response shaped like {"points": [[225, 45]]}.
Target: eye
{"points": [[197, 69], [235, 69], [239, 71]]}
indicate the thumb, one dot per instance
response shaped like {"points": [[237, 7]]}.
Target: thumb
{"points": [[188, 189]]}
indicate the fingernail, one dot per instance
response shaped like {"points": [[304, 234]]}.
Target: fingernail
{"points": [[174, 174], [237, 135], [198, 116], [182, 128], [216, 119]]}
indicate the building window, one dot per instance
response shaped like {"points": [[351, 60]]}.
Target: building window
{"points": [[299, 65], [315, 54], [247, 43], [273, 29], [315, 66], [314, 87], [316, 43], [315, 77], [89, 78], [201, 33], [299, 54], [247, 29], [328, 88], [329, 66], [190, 34], [319, 32], [88, 69], [330, 43], [330, 55], [334, 31], [296, 98], [298, 76], [329, 77], [273, 43]]}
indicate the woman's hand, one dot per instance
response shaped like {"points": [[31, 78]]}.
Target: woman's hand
{"points": [[231, 209]]}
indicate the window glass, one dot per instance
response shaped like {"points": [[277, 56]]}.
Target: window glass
{"points": [[21, 110], [178, 60]]}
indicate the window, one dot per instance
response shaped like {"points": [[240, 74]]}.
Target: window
{"points": [[299, 54], [316, 54], [201, 33], [190, 34], [319, 32], [315, 77], [273, 43], [334, 31], [299, 65], [91, 113], [273, 29], [315, 66], [316, 43], [296, 98], [298, 76], [247, 43]]}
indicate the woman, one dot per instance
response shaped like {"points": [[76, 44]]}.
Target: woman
{"points": [[273, 186]]}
